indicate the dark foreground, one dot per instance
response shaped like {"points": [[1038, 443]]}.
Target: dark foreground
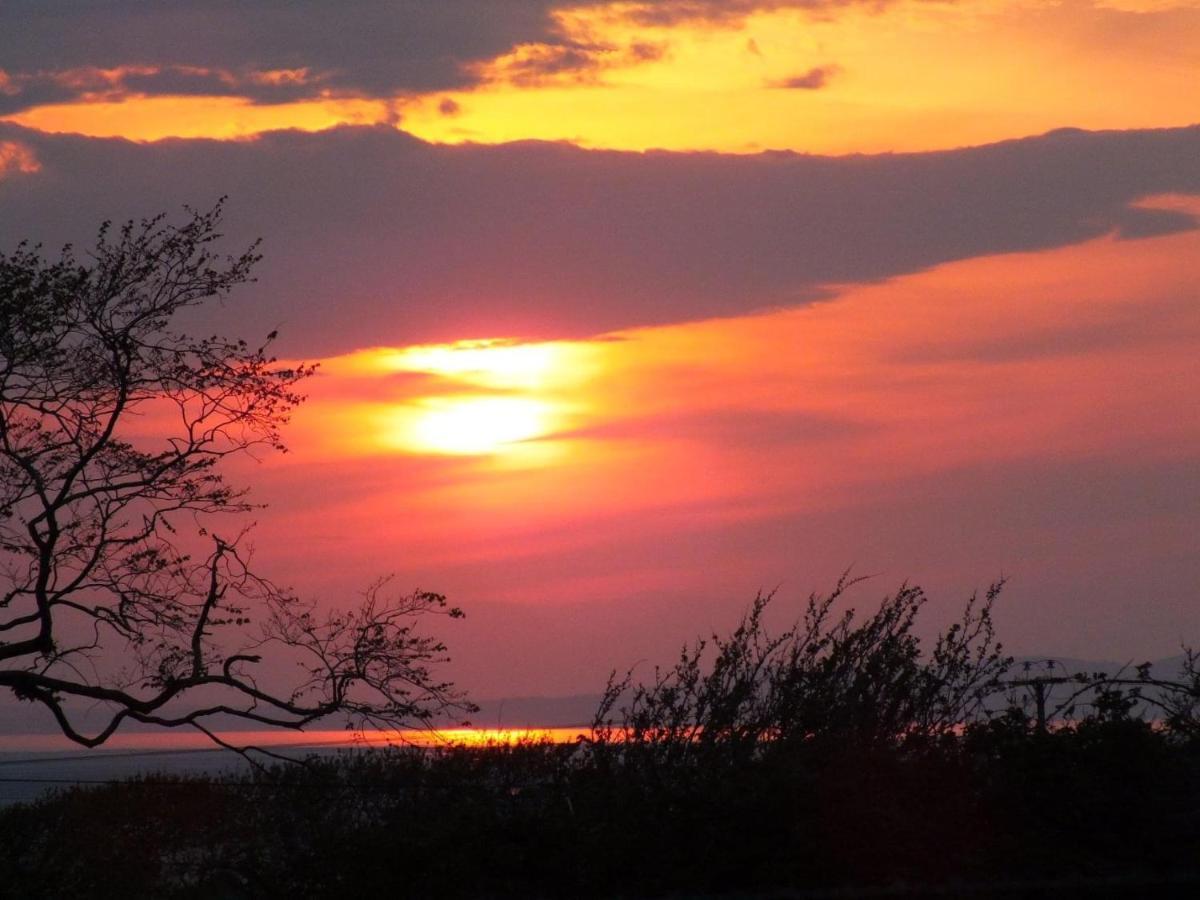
{"points": [[1102, 809], [840, 757]]}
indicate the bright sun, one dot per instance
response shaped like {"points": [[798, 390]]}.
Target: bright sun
{"points": [[481, 397], [476, 425]]}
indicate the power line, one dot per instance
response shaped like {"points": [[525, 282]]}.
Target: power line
{"points": [[133, 754]]}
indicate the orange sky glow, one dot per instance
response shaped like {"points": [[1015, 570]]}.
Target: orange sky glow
{"points": [[825, 81]]}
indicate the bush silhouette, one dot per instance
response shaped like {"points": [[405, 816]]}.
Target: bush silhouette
{"points": [[837, 755]]}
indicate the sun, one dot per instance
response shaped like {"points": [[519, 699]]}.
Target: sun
{"points": [[476, 425], [488, 397]]}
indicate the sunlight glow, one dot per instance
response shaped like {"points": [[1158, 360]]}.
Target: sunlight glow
{"points": [[142, 118], [476, 425], [479, 397], [172, 741], [487, 363], [471, 397]]}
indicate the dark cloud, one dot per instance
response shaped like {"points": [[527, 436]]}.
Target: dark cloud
{"points": [[50, 50], [537, 64], [543, 63], [373, 237], [90, 83], [449, 107], [814, 79], [357, 47], [723, 12]]}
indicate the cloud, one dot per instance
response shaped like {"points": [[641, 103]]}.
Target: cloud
{"points": [[814, 79], [726, 428], [1145, 325], [360, 48], [17, 158], [646, 577], [373, 237], [532, 65], [725, 13], [282, 50], [537, 64], [91, 83]]}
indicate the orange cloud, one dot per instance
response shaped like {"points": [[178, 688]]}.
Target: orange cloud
{"points": [[17, 157]]}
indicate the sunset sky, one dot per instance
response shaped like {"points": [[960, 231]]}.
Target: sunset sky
{"points": [[627, 310]]}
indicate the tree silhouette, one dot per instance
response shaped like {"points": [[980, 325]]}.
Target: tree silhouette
{"points": [[118, 600], [847, 680]]}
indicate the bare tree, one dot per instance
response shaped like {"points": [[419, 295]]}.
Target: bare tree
{"points": [[118, 602]]}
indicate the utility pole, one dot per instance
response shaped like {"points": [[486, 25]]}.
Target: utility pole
{"points": [[1039, 684]]}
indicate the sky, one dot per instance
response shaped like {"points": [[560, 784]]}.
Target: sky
{"points": [[626, 311]]}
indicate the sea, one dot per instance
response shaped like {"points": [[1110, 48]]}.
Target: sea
{"points": [[34, 765]]}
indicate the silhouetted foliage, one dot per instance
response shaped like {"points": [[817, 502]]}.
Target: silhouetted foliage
{"points": [[116, 596], [833, 676], [703, 799]]}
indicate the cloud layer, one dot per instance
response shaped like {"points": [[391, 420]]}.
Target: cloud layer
{"points": [[280, 50], [373, 237], [54, 52]]}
